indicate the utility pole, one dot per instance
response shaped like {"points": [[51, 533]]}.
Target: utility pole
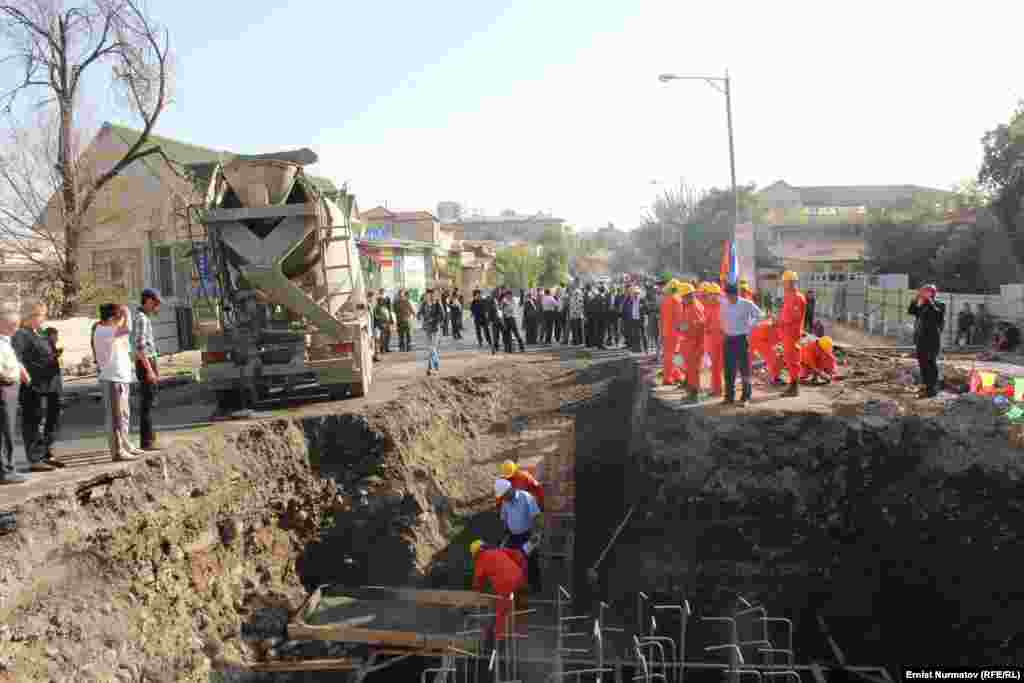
{"points": [[732, 154]]}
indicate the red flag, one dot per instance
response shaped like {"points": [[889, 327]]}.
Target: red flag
{"points": [[723, 271]]}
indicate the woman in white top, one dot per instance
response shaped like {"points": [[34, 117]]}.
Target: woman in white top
{"points": [[113, 357]]}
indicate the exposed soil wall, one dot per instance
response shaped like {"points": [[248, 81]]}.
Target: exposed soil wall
{"points": [[904, 534], [191, 565]]}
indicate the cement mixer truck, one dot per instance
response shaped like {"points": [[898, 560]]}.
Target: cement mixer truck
{"points": [[292, 318]]}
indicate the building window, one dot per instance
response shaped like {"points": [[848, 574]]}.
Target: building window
{"points": [[165, 270]]}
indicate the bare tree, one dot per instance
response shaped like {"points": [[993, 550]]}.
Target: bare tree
{"points": [[54, 46]]}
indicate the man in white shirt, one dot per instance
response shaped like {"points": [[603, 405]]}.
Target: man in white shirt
{"points": [[738, 318], [113, 357], [14, 465]]}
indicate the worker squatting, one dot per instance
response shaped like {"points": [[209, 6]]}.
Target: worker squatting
{"points": [[512, 568], [730, 329]]}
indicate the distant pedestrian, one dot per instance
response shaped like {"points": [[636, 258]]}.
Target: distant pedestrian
{"points": [[383, 319], [576, 315], [14, 465], [432, 316], [812, 303], [494, 319], [446, 319], [531, 317], [632, 320], [549, 305], [406, 313], [965, 323], [455, 305], [930, 319], [146, 365], [983, 326], [508, 314], [478, 309]]}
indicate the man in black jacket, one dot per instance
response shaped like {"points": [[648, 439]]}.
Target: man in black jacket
{"points": [[930, 319], [40, 361], [494, 319], [479, 310]]}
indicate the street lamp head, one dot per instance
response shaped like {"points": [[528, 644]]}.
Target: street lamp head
{"points": [[665, 78]]}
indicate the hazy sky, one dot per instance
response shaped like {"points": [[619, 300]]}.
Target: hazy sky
{"points": [[555, 105]]}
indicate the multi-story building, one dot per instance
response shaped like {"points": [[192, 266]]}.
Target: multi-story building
{"points": [[820, 229], [507, 227]]}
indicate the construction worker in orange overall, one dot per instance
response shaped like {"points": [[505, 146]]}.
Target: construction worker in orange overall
{"points": [[523, 481], [505, 569], [714, 338], [817, 360], [745, 291], [670, 310], [691, 326], [763, 341], [791, 328]]}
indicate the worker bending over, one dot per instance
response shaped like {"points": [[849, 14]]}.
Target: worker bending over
{"points": [[522, 480], [745, 291], [791, 328], [670, 313], [691, 329], [817, 360], [764, 340], [505, 569], [521, 516], [714, 338]]}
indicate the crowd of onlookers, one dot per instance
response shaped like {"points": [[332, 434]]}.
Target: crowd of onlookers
{"points": [[31, 383]]}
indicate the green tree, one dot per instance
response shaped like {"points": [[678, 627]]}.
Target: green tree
{"points": [[518, 267], [1002, 175]]}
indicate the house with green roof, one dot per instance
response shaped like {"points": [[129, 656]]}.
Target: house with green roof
{"points": [[138, 232]]}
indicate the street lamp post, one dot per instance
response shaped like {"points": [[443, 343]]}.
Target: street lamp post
{"points": [[714, 82]]}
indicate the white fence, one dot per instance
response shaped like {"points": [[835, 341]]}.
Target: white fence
{"points": [[883, 311]]}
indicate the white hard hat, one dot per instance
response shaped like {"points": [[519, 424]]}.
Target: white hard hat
{"points": [[501, 487]]}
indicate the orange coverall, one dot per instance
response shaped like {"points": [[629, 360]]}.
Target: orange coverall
{"points": [[524, 481], [692, 341], [763, 339], [714, 341], [813, 357], [670, 314], [791, 328], [505, 568]]}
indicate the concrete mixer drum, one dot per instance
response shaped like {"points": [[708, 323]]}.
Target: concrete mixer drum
{"points": [[294, 320]]}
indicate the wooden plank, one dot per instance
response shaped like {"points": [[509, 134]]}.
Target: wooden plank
{"points": [[348, 634], [438, 598], [279, 211], [406, 640], [327, 664]]}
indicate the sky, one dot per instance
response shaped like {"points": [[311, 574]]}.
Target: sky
{"points": [[556, 106]]}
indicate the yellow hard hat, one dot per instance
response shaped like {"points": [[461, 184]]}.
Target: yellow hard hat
{"points": [[685, 289], [712, 288], [826, 344], [508, 468], [672, 286], [474, 547], [703, 287], [744, 283], [790, 276]]}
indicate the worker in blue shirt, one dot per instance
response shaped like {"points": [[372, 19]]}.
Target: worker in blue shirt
{"points": [[521, 516]]}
